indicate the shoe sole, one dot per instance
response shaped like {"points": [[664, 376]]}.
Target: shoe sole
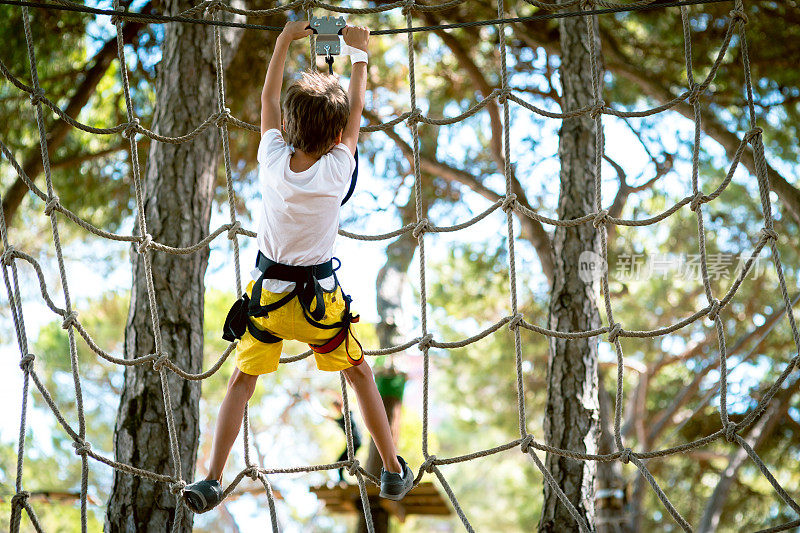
{"points": [[396, 497]]}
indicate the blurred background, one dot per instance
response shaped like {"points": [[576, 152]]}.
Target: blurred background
{"points": [[671, 382]]}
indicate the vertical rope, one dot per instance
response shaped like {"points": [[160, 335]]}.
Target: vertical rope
{"points": [[133, 122], [353, 468], [694, 100], [730, 430], [600, 221], [19, 500], [222, 124], [413, 125], [313, 40], [512, 262], [769, 233], [69, 314], [761, 173]]}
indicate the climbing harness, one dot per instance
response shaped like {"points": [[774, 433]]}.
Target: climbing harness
{"points": [[307, 290], [353, 180]]}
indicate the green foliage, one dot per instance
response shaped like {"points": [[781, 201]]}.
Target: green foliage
{"points": [[473, 402]]}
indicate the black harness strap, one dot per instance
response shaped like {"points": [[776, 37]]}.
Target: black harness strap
{"points": [[238, 321], [307, 287], [353, 180]]}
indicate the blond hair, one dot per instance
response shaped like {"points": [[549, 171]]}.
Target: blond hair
{"points": [[315, 112]]}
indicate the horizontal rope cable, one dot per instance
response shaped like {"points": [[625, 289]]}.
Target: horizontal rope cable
{"points": [[152, 18], [599, 219]]}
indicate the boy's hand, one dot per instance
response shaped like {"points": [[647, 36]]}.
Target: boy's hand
{"points": [[356, 36], [296, 29]]}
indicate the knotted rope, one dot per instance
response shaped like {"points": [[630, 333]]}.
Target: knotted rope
{"points": [[600, 218]]}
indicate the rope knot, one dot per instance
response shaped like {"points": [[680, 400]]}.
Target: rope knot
{"points": [[8, 255], [515, 321], [26, 362], [223, 117], [421, 227], [252, 472], [625, 455], [713, 313], [730, 432], [525, 444], [177, 486], [425, 342], [415, 116], [769, 233], [695, 92], [159, 362], [234, 229], [37, 96], [20, 498], [81, 447], [131, 129], [508, 202], [52, 203], [600, 218], [597, 109], [429, 464], [697, 200], [502, 95], [117, 18], [738, 15], [308, 5], [70, 319], [614, 332], [144, 243], [586, 4], [353, 467], [408, 7], [752, 134]]}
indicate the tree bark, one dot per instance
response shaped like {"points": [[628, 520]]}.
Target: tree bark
{"points": [[571, 416], [178, 186], [57, 132]]}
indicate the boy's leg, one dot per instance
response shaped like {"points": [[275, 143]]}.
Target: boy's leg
{"points": [[361, 379], [229, 420]]}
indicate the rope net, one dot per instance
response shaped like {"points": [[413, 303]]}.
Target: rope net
{"points": [[599, 218]]}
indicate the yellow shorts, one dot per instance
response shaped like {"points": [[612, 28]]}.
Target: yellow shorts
{"points": [[288, 322]]}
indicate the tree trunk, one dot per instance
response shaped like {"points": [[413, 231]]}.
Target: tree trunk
{"points": [[571, 417], [178, 187]]}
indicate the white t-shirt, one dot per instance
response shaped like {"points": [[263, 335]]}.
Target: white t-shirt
{"points": [[299, 211]]}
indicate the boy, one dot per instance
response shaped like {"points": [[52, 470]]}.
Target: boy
{"points": [[296, 295]]}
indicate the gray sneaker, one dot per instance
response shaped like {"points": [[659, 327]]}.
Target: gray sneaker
{"points": [[203, 495], [395, 486]]}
